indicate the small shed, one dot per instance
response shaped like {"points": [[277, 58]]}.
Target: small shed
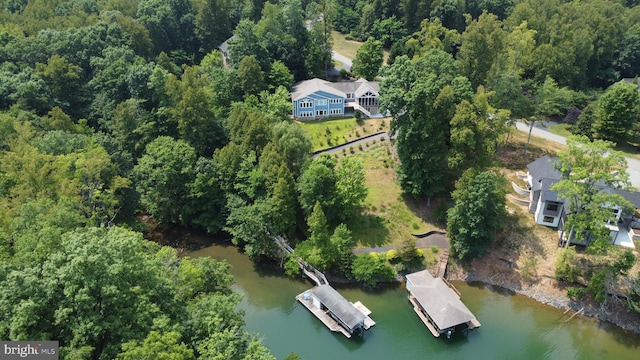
{"points": [[438, 304], [340, 309]]}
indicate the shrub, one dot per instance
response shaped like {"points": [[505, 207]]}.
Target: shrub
{"points": [[406, 248], [360, 147], [392, 255], [624, 263], [358, 115], [357, 134], [565, 269], [577, 293], [435, 249], [598, 285], [415, 226], [530, 269], [291, 266], [369, 268], [419, 253]]}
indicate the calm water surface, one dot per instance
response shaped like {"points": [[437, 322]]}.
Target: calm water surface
{"points": [[513, 326]]}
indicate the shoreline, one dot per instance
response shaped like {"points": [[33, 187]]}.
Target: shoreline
{"points": [[618, 315]]}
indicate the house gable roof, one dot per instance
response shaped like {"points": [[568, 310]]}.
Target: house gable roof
{"points": [[441, 303], [359, 87], [339, 306], [544, 175], [631, 196], [543, 168], [305, 88]]}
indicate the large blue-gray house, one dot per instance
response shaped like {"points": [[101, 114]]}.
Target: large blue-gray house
{"points": [[317, 98]]}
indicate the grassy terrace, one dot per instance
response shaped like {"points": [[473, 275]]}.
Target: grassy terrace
{"points": [[387, 216], [327, 133], [629, 147], [349, 48]]}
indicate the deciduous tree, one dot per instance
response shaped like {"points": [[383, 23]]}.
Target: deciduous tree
{"points": [[163, 175], [617, 110], [477, 213], [368, 59], [587, 168]]}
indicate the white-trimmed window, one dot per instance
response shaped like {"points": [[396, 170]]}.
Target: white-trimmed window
{"points": [[306, 113], [305, 104], [336, 111], [321, 112], [350, 96], [548, 219], [335, 101], [321, 102]]}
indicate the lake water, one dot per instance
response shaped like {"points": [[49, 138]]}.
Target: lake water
{"points": [[513, 326]]}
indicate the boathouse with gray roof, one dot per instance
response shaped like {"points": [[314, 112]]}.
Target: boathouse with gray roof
{"points": [[438, 304]]}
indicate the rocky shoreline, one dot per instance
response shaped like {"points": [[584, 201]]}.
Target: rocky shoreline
{"points": [[618, 315]]}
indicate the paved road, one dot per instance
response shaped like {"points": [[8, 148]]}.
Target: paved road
{"points": [[346, 62], [633, 165]]}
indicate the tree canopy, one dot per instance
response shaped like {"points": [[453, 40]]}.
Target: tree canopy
{"points": [[476, 216], [588, 168]]}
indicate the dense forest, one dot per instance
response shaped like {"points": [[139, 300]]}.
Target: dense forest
{"points": [[114, 108]]}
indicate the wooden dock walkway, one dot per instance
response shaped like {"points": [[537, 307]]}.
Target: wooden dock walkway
{"points": [[319, 278], [442, 264]]}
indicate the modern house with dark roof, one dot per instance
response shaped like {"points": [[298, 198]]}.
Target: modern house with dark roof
{"points": [[544, 202], [438, 305], [551, 210], [318, 99]]}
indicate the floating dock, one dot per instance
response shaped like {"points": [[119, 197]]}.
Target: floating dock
{"points": [[336, 312], [438, 304]]}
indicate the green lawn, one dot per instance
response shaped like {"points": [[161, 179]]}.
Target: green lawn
{"points": [[387, 216], [561, 129], [349, 48], [330, 132], [629, 147]]}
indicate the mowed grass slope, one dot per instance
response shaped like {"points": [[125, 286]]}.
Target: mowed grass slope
{"points": [[330, 132], [349, 48], [387, 217]]}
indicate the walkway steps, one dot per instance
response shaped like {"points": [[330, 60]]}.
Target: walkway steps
{"points": [[442, 265]]}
